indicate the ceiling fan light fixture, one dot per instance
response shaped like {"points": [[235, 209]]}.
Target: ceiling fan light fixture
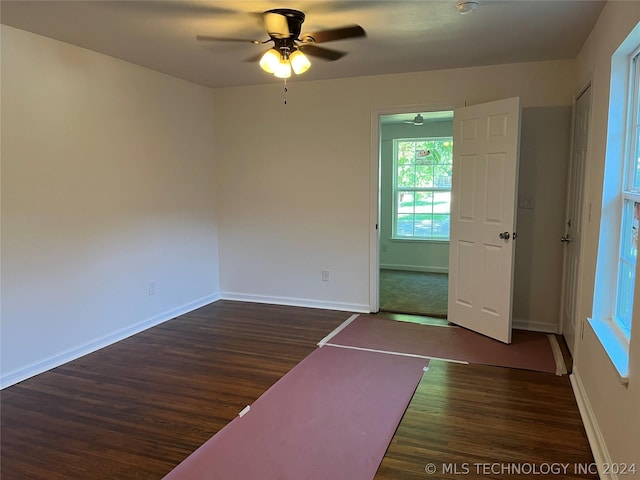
{"points": [[283, 26], [466, 6], [299, 62], [283, 69], [270, 60], [418, 120]]}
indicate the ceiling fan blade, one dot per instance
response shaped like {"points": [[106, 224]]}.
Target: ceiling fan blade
{"points": [[208, 38], [351, 31], [174, 7], [321, 52], [276, 25]]}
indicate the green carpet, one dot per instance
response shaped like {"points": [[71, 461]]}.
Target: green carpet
{"points": [[414, 292]]}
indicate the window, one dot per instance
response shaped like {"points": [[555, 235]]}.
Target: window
{"points": [[422, 188], [630, 201], [614, 286]]}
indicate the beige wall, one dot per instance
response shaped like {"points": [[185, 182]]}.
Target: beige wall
{"points": [[544, 153], [612, 409], [295, 187], [108, 184]]}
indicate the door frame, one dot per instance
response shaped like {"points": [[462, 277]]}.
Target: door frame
{"points": [[579, 326], [374, 187]]}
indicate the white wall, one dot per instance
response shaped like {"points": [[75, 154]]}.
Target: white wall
{"points": [[613, 409], [108, 184], [295, 178]]}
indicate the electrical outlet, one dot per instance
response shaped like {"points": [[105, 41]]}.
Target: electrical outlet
{"points": [[152, 288], [325, 275]]}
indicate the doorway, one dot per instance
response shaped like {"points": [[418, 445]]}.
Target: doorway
{"points": [[416, 154], [482, 219]]}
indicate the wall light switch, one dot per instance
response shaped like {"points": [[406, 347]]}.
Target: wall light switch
{"points": [[526, 203]]}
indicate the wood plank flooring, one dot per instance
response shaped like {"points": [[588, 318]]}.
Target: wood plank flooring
{"points": [[136, 409]]}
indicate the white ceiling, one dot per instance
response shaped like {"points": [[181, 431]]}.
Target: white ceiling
{"points": [[402, 36]]}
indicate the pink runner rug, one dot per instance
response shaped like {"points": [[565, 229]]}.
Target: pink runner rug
{"points": [[331, 417], [528, 350]]}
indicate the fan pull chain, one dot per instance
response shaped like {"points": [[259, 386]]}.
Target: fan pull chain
{"points": [[285, 91]]}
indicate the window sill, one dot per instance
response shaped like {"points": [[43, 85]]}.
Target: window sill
{"points": [[617, 350], [424, 240]]}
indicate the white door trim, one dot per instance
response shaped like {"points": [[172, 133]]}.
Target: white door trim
{"points": [[585, 214]]}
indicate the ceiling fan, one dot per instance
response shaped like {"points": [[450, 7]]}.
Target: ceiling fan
{"points": [[284, 25], [418, 120]]}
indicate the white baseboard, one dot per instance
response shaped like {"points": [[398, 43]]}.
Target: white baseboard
{"points": [[296, 302], [77, 352], [522, 324], [414, 268], [594, 434]]}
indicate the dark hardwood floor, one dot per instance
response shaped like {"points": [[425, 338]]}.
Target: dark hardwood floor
{"points": [[134, 410]]}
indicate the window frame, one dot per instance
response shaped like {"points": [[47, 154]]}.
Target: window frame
{"points": [[617, 147], [629, 197], [396, 190]]}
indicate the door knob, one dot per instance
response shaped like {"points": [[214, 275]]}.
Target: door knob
{"points": [[505, 235], [566, 239]]}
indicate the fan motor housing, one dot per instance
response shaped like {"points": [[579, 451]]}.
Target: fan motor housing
{"points": [[295, 19]]}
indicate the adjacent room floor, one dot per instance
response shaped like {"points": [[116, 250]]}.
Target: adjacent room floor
{"points": [[418, 293]]}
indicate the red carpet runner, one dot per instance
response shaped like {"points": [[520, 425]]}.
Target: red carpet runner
{"points": [[528, 350], [331, 417]]}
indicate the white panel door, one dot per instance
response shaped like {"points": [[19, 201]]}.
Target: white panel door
{"points": [[572, 237], [486, 143]]}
